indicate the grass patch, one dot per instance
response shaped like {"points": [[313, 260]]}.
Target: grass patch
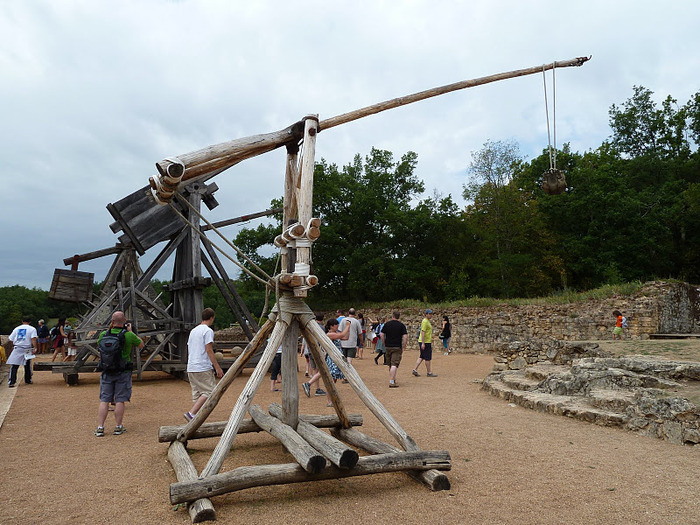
{"points": [[562, 297]]}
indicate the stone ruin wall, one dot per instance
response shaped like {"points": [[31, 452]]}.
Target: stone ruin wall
{"points": [[659, 307]]}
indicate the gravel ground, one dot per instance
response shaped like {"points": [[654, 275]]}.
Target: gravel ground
{"points": [[509, 464]]}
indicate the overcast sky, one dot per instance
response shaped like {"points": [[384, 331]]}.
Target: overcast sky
{"points": [[93, 93]]}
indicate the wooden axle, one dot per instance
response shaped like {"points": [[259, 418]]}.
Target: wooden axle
{"points": [[265, 475]]}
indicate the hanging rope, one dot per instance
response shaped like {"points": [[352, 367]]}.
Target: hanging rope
{"points": [[553, 180], [552, 163], [202, 234]]}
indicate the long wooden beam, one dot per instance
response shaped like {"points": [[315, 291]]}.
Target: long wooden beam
{"points": [[434, 92], [264, 475], [207, 162]]}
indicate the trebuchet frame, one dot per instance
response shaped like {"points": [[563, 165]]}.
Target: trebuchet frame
{"points": [[318, 455]]}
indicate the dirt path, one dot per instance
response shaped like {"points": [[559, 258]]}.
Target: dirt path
{"points": [[510, 464]]}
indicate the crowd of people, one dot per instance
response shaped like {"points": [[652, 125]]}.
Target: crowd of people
{"points": [[350, 333]]}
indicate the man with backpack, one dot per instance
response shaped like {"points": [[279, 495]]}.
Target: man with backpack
{"points": [[115, 347]]}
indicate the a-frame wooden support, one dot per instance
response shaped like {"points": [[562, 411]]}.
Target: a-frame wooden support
{"points": [[318, 455]]}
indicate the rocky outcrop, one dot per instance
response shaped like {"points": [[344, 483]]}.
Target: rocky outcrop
{"points": [[637, 393]]}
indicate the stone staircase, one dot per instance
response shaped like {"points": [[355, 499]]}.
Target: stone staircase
{"points": [[633, 393]]}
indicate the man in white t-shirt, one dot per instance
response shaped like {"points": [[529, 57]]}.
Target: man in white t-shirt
{"points": [[23, 351], [349, 346], [202, 363]]}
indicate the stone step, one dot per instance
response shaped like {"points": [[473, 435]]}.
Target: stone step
{"points": [[517, 380], [569, 406], [541, 372], [616, 400]]}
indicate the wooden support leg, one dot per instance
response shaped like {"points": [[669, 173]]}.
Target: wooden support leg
{"points": [[225, 382], [315, 350], [362, 391], [201, 509], [290, 385], [433, 479], [244, 400]]}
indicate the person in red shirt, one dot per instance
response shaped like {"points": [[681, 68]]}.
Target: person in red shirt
{"points": [[617, 331]]}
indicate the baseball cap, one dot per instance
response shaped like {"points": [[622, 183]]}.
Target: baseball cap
{"points": [[428, 311]]}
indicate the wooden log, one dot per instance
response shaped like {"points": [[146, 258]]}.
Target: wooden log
{"points": [[231, 374], [207, 162], [433, 479], [422, 95], [362, 391], [306, 194], [244, 399], [290, 384], [320, 421], [328, 382], [334, 450], [265, 475], [168, 433], [200, 509], [307, 456]]}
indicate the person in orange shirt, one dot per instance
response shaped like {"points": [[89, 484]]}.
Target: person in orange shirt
{"points": [[617, 331]]}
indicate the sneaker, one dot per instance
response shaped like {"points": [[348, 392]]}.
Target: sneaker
{"points": [[447, 353], [28, 382], [306, 374], [119, 430], [393, 385], [345, 381], [11, 385], [415, 373], [320, 392], [189, 417], [430, 374], [307, 389], [100, 432]]}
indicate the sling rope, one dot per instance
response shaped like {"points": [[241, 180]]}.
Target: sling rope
{"points": [[552, 152], [202, 234]]}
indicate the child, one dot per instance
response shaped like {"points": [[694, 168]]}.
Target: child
{"points": [[617, 331]]}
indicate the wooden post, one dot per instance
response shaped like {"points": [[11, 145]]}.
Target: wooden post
{"points": [[290, 385], [291, 179], [302, 265], [244, 400], [202, 508], [307, 456], [225, 382], [362, 391], [433, 479]]}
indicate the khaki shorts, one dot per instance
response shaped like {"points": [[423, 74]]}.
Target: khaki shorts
{"points": [[202, 383], [393, 356]]}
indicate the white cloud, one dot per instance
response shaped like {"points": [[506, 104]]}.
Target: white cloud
{"points": [[94, 93]]}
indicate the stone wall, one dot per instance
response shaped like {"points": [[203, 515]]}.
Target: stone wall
{"points": [[659, 307]]}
